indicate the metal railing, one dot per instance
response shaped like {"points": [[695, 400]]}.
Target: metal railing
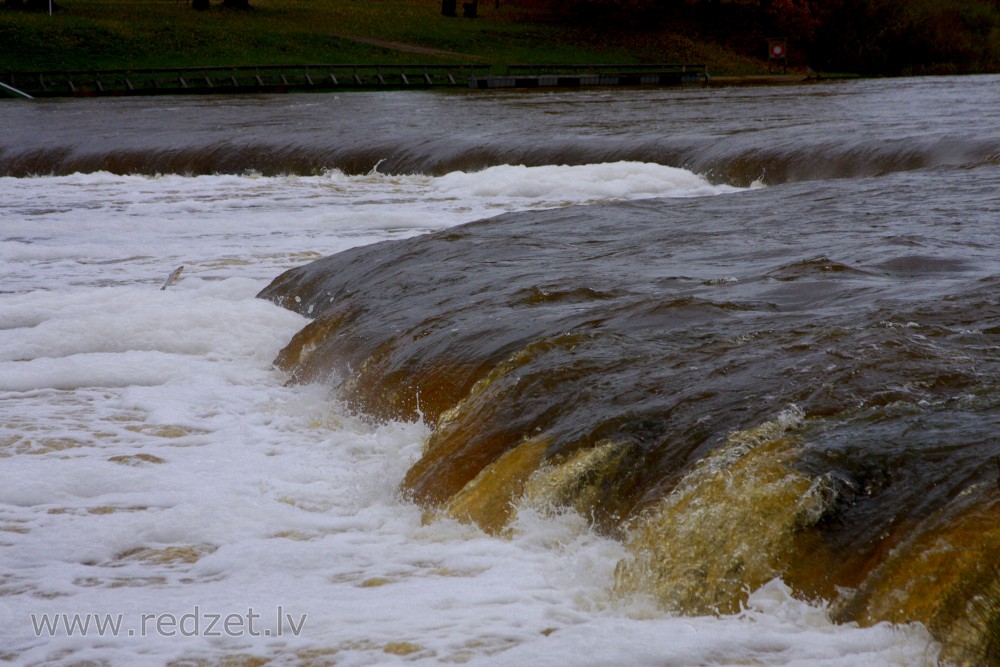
{"points": [[538, 76], [258, 78], [642, 68], [284, 78]]}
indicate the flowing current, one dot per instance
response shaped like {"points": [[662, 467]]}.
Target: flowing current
{"points": [[796, 286]]}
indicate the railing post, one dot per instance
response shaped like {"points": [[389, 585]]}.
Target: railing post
{"points": [[16, 91]]}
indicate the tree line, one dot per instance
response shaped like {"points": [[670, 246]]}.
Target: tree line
{"points": [[865, 36], [894, 36]]}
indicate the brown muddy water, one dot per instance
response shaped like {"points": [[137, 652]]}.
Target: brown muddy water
{"points": [[798, 380], [798, 377]]}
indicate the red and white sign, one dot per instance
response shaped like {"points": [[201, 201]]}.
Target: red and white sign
{"points": [[777, 50]]}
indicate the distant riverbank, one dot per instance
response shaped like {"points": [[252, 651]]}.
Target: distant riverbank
{"points": [[113, 34]]}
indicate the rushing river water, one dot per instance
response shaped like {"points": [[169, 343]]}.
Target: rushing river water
{"points": [[700, 376]]}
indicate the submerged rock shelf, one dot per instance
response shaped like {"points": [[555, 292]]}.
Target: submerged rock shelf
{"points": [[732, 404]]}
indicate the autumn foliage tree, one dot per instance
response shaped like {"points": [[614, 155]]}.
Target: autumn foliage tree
{"points": [[798, 19], [909, 36], [866, 36]]}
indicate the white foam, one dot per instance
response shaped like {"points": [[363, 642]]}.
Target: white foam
{"points": [[579, 183], [154, 463]]}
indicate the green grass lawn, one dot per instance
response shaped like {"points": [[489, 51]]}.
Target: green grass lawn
{"points": [[120, 34]]}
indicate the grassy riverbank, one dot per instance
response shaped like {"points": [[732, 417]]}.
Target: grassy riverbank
{"points": [[119, 34]]}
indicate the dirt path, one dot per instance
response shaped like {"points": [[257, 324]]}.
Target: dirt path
{"points": [[408, 48]]}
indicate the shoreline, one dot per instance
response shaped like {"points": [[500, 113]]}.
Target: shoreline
{"points": [[322, 78]]}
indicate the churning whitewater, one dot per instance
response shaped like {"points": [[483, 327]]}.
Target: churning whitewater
{"points": [[158, 473], [171, 496]]}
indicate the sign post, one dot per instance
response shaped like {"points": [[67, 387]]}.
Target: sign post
{"points": [[777, 49]]}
